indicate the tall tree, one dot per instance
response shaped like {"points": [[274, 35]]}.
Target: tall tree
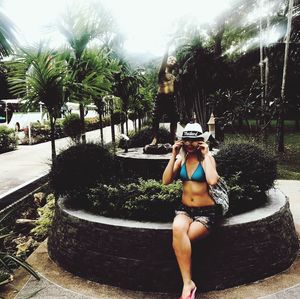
{"points": [[81, 26], [280, 120], [7, 35], [43, 83]]}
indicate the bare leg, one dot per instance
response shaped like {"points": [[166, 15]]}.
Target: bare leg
{"points": [[197, 231], [157, 114], [183, 251]]}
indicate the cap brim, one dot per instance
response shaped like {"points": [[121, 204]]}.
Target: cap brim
{"points": [[204, 135]]}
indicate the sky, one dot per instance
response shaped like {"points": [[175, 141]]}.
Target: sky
{"points": [[147, 24]]}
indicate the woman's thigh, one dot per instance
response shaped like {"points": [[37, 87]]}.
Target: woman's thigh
{"points": [[181, 224], [197, 230]]}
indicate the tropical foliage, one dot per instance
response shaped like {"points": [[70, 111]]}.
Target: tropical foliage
{"points": [[7, 35], [40, 76], [8, 261], [89, 70]]}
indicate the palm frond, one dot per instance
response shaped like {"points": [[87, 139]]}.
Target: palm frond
{"points": [[24, 265]]}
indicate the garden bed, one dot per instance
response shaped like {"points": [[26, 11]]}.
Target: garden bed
{"points": [[139, 255]]}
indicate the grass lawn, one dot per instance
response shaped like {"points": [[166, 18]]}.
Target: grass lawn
{"points": [[289, 162]]}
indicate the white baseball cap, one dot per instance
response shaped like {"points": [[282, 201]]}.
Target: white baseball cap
{"points": [[194, 131]]}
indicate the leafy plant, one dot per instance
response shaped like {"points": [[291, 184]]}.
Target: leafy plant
{"points": [[81, 166], [249, 171], [72, 127], [8, 140], [118, 117], [7, 260], [46, 214], [141, 200]]}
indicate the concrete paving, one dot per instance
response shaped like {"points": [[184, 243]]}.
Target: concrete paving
{"points": [[31, 161]]}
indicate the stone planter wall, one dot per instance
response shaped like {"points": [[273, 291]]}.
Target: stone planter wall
{"points": [[139, 256]]}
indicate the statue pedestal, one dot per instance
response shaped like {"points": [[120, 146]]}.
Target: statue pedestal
{"points": [[158, 149], [138, 164]]}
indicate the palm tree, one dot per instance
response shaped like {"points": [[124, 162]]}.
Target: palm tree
{"points": [[81, 26], [127, 84], [98, 69], [7, 35], [40, 77]]}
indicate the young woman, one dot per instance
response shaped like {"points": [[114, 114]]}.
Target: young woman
{"points": [[197, 213]]}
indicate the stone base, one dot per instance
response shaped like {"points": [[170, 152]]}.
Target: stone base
{"points": [[139, 255], [138, 164], [158, 149]]}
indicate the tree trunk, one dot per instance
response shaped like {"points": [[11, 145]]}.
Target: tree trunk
{"points": [[126, 123], [262, 76], [101, 128], [52, 137], [81, 110], [280, 121]]}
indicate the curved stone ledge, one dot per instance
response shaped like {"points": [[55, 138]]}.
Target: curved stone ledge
{"points": [[139, 255]]}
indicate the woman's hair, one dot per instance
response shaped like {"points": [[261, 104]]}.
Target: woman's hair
{"points": [[183, 154]]}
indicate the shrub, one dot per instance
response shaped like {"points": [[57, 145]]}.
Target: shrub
{"points": [[81, 166], [249, 171], [145, 200], [8, 140], [118, 117], [91, 123], [72, 127], [144, 136], [40, 132], [133, 115]]}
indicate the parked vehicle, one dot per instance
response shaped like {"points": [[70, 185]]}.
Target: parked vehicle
{"points": [[12, 115]]}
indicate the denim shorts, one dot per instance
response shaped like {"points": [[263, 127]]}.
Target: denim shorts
{"points": [[209, 216]]}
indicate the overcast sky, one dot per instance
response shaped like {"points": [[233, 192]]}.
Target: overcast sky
{"points": [[146, 23]]}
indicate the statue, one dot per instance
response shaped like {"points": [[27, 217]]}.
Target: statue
{"points": [[164, 101]]}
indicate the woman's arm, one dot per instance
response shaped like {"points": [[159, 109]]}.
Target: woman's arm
{"points": [[209, 165], [173, 165]]}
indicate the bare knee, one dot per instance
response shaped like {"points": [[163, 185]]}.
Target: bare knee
{"points": [[179, 229], [180, 226]]}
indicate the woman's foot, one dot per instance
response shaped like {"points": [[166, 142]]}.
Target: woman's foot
{"points": [[187, 290]]}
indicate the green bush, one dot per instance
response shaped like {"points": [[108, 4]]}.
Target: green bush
{"points": [[40, 132], [144, 136], [8, 140], [118, 117], [81, 166], [72, 127], [249, 171], [145, 200]]}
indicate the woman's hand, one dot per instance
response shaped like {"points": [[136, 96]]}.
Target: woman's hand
{"points": [[203, 147], [176, 147]]}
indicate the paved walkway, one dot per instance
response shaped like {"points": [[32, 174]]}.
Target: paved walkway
{"points": [[31, 161]]}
